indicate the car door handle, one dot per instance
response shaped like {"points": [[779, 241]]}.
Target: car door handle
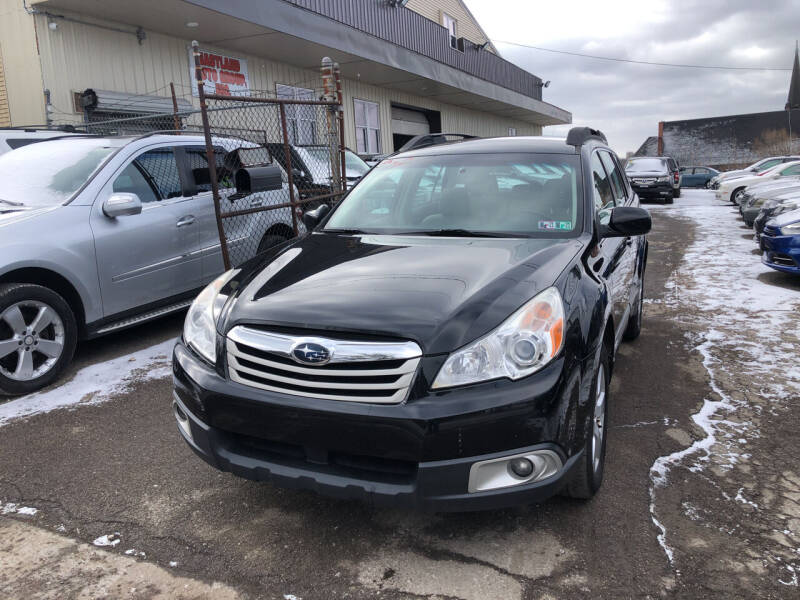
{"points": [[256, 202], [187, 220]]}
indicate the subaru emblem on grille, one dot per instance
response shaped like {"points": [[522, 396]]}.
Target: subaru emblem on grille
{"points": [[309, 353]]}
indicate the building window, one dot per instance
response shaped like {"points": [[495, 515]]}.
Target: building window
{"points": [[300, 120], [512, 131], [368, 127], [452, 29]]}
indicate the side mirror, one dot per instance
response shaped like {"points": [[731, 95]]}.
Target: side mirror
{"points": [[297, 174], [312, 218], [250, 180], [626, 221], [122, 204]]}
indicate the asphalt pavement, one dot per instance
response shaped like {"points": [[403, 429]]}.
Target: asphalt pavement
{"points": [[670, 521]]}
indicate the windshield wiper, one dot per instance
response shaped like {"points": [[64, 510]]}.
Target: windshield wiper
{"points": [[10, 203], [345, 231], [462, 233]]}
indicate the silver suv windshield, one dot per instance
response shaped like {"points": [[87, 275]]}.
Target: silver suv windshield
{"points": [[49, 173], [494, 195]]}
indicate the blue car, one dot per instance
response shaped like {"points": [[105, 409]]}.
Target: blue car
{"points": [[780, 243], [697, 176]]}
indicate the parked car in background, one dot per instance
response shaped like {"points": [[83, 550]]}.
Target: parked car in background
{"points": [[697, 177], [652, 177], [443, 339], [772, 209], [99, 234], [12, 138], [781, 243], [311, 167], [728, 190], [757, 167]]}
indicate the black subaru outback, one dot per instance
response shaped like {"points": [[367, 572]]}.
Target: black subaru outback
{"points": [[443, 338]]}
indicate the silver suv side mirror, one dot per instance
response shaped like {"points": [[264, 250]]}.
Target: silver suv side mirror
{"points": [[122, 204]]}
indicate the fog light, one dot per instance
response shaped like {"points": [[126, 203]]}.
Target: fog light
{"points": [[521, 467], [518, 469]]}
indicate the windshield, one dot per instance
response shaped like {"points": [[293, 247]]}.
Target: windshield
{"points": [[509, 195], [641, 165], [317, 159], [49, 173]]}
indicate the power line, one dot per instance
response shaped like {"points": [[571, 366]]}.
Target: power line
{"points": [[642, 62]]}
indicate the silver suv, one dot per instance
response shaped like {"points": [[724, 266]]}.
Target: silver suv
{"points": [[99, 234]]}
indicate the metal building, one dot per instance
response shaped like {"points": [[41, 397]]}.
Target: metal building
{"points": [[408, 67]]}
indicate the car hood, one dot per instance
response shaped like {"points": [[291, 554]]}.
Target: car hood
{"points": [[786, 218], [774, 192], [736, 182], [439, 292], [12, 215]]}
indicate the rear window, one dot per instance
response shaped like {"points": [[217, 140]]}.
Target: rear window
{"points": [[645, 164]]}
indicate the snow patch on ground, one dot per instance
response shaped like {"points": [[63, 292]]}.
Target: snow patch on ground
{"points": [[721, 283], [110, 539], [11, 508], [94, 384]]}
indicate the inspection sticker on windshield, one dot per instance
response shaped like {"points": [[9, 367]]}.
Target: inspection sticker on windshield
{"points": [[555, 225]]}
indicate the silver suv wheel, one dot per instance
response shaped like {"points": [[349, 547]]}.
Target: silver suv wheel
{"points": [[32, 341]]}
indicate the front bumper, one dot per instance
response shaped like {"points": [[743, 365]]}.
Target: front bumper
{"points": [[781, 252], [653, 190], [415, 454]]}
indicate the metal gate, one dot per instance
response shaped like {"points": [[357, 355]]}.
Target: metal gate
{"points": [[249, 140]]}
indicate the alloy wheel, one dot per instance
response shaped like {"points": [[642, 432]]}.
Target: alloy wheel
{"points": [[599, 420], [31, 340]]}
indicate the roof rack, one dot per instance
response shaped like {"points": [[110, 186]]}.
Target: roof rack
{"points": [[433, 139], [32, 128], [578, 136]]}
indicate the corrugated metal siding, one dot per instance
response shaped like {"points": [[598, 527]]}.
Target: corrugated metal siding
{"points": [[467, 26], [22, 73], [76, 57], [412, 31], [5, 113]]}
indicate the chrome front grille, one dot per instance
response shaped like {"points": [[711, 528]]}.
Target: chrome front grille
{"points": [[354, 371]]}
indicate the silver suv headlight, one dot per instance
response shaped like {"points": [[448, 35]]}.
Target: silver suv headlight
{"points": [[521, 345], [200, 327]]}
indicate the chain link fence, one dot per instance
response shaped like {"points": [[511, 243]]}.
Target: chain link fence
{"points": [[273, 160], [263, 161]]}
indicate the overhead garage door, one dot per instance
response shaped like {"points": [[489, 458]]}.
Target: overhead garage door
{"points": [[406, 124], [409, 122]]}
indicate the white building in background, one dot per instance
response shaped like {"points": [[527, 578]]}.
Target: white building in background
{"points": [[409, 68]]}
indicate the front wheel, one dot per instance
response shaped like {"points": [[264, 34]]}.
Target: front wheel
{"points": [[38, 334], [676, 193], [589, 470]]}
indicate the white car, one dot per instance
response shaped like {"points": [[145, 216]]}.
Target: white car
{"points": [[730, 188], [757, 167]]}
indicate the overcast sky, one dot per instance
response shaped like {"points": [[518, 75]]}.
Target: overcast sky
{"points": [[626, 101]]}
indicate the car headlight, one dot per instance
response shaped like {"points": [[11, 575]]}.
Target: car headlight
{"points": [[791, 228], [521, 345], [200, 327], [663, 179]]}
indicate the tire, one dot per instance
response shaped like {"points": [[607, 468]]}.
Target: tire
{"points": [[268, 241], [26, 367], [733, 195], [676, 193], [588, 475], [634, 327]]}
